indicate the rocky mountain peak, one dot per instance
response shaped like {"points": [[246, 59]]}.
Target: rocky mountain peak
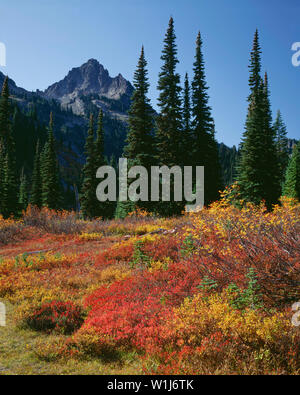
{"points": [[90, 78]]}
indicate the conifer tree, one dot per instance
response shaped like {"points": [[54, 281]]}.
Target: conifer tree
{"points": [[23, 191], [2, 159], [258, 172], [281, 144], [102, 209], [139, 149], [139, 144], [36, 181], [292, 180], [187, 133], [88, 192], [5, 111], [9, 189], [51, 188], [205, 148], [9, 180], [169, 121], [169, 144]]}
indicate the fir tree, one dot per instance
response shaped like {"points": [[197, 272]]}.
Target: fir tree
{"points": [[51, 188], [258, 172], [187, 133], [281, 144], [205, 148], [10, 205], [139, 149], [169, 121], [88, 192], [9, 180], [23, 191], [36, 181], [102, 209], [292, 180], [169, 142], [2, 160], [5, 111], [139, 144]]}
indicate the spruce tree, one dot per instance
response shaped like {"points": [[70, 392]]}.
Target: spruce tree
{"points": [[51, 188], [102, 209], [186, 115], [139, 149], [88, 192], [169, 144], [10, 184], [281, 145], [23, 191], [2, 160], [140, 144], [205, 148], [258, 172], [169, 121], [292, 179], [10, 206], [5, 111], [36, 181]]}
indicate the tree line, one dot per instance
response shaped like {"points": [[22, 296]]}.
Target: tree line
{"points": [[182, 134]]}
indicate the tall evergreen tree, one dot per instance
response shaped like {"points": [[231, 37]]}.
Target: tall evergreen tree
{"points": [[205, 148], [36, 181], [10, 205], [140, 148], [102, 209], [51, 188], [5, 111], [292, 180], [10, 184], [187, 132], [281, 144], [258, 173], [169, 142], [23, 191], [169, 121], [140, 144], [2, 161], [88, 192]]}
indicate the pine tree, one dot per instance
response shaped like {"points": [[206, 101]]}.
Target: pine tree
{"points": [[36, 181], [139, 149], [281, 144], [102, 209], [187, 133], [88, 192], [2, 160], [9, 183], [258, 172], [169, 144], [51, 188], [169, 121], [10, 205], [205, 148], [292, 180], [140, 144], [5, 111], [23, 191]]}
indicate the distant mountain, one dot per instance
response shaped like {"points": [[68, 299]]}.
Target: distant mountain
{"points": [[85, 90], [92, 80]]}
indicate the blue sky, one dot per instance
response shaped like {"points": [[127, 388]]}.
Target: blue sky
{"points": [[46, 38]]}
